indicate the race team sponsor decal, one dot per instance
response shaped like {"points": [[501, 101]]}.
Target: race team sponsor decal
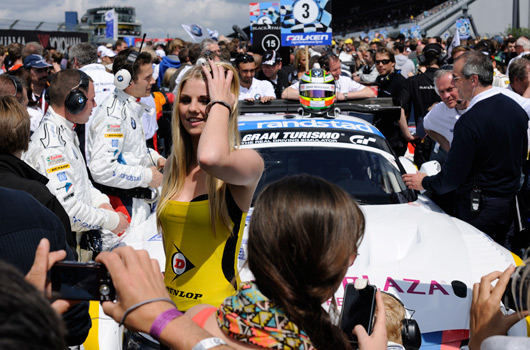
{"points": [[55, 159], [256, 137], [66, 187], [61, 176], [114, 143], [313, 123], [361, 140], [180, 264], [113, 128], [133, 123], [114, 135], [57, 168]]}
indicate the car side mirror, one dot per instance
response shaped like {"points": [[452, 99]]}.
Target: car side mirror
{"points": [[431, 168], [408, 165]]}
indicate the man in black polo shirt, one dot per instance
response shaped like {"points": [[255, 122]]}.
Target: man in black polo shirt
{"points": [[418, 92], [488, 149], [271, 70], [390, 84]]}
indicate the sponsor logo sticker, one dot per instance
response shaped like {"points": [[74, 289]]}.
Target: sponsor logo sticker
{"points": [[113, 127], [55, 159], [180, 264], [62, 176], [57, 168], [114, 135]]}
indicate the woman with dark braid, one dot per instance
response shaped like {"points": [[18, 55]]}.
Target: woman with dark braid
{"points": [[303, 236]]}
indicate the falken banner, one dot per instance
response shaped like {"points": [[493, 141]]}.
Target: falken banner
{"points": [[305, 22]]}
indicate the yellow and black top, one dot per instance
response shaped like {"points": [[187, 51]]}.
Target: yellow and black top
{"points": [[200, 266]]}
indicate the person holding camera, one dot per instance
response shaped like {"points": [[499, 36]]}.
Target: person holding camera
{"points": [[488, 324]]}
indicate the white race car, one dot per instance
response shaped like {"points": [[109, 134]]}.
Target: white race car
{"points": [[411, 248]]}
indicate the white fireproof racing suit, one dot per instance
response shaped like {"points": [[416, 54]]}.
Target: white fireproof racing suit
{"points": [[118, 154], [54, 152]]}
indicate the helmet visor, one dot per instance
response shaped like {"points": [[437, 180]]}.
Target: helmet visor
{"points": [[317, 90]]}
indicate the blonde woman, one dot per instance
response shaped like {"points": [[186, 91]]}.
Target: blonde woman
{"points": [[207, 189]]}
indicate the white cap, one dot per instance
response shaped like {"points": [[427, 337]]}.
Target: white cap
{"points": [[107, 53]]}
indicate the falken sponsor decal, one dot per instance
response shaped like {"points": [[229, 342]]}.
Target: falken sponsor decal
{"points": [[114, 135], [313, 123], [55, 159], [57, 168], [306, 39]]}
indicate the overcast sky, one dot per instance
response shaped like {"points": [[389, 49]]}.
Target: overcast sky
{"points": [[159, 17]]}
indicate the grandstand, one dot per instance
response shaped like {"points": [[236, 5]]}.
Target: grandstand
{"points": [[435, 17]]}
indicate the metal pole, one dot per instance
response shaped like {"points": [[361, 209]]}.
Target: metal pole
{"points": [[515, 15]]}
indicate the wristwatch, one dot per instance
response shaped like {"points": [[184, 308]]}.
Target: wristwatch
{"points": [[346, 96], [208, 343]]}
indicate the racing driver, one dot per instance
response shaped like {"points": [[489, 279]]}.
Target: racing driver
{"points": [[120, 163]]}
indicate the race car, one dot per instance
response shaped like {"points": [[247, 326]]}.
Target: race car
{"points": [[411, 248]]}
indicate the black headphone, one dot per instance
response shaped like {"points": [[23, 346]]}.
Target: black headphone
{"points": [[430, 48], [76, 99], [410, 330], [324, 60], [17, 83]]}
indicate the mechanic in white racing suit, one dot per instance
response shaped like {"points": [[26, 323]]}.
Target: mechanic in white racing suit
{"points": [[54, 152], [121, 165]]}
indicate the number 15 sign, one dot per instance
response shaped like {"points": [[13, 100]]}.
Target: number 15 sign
{"points": [[305, 22]]}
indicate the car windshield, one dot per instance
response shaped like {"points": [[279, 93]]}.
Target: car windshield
{"points": [[368, 176]]}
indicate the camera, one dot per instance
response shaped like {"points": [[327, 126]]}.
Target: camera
{"points": [[516, 293], [74, 280]]}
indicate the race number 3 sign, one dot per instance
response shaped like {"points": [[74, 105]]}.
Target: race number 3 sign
{"points": [[305, 22]]}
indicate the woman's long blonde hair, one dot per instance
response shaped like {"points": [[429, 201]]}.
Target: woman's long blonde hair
{"points": [[182, 156]]}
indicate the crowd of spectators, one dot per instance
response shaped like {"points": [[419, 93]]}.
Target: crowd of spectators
{"points": [[365, 17], [100, 175]]}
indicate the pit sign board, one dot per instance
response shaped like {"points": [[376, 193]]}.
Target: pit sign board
{"points": [[305, 22]]}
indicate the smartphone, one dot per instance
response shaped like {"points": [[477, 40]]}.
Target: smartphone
{"points": [[74, 280], [358, 307]]}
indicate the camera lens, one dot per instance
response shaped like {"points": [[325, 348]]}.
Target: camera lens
{"points": [[104, 290]]}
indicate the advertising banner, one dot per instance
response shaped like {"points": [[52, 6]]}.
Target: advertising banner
{"points": [[111, 20], [415, 32], [463, 27], [59, 40], [305, 22]]}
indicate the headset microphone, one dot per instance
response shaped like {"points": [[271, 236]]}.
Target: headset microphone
{"points": [[123, 77]]}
